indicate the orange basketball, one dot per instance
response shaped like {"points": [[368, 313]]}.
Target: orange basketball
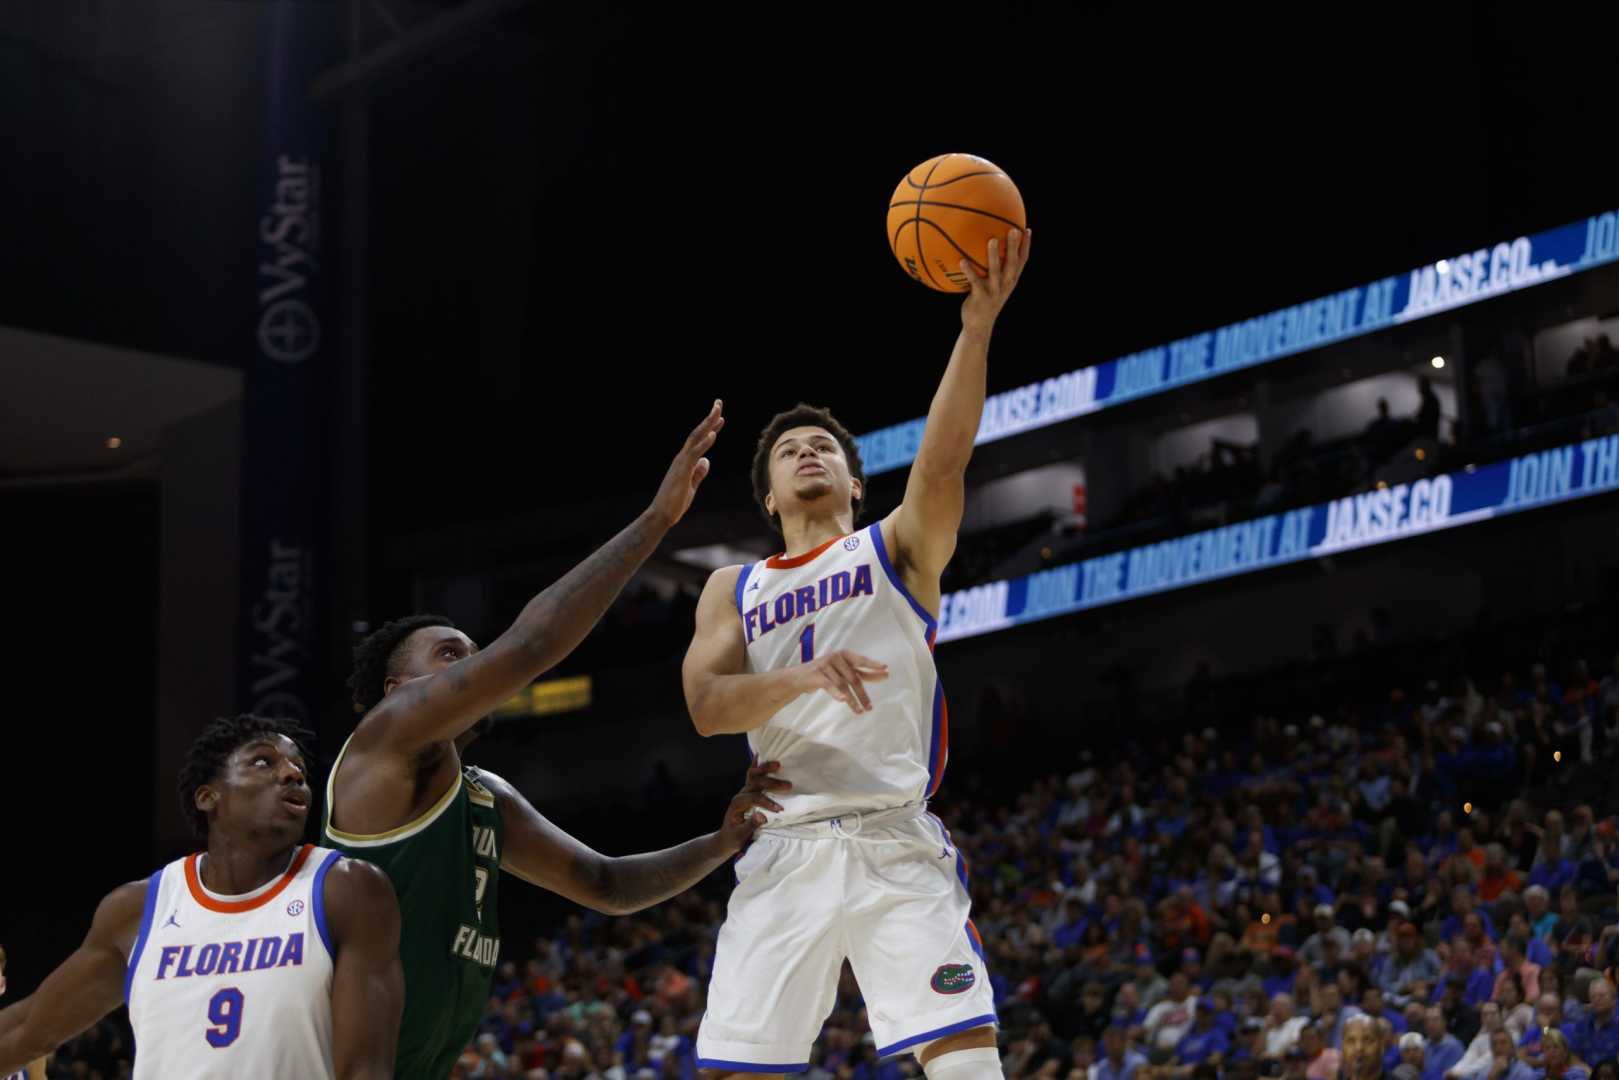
{"points": [[947, 209]]}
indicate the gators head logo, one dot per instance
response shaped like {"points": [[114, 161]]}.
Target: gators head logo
{"points": [[953, 979]]}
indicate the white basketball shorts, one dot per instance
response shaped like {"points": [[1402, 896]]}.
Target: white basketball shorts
{"points": [[889, 892]]}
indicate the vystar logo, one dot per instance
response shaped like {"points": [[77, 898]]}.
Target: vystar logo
{"points": [[953, 979]]}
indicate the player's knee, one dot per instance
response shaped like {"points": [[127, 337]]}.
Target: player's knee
{"points": [[967, 1063]]}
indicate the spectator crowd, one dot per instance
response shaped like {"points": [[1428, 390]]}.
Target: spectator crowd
{"points": [[1418, 889]]}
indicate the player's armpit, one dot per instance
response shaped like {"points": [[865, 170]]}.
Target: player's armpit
{"points": [[86, 987], [368, 983]]}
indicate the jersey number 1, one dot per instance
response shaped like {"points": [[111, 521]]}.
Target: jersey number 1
{"points": [[806, 644]]}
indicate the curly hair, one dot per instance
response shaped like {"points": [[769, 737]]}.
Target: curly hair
{"points": [[205, 760], [375, 657], [802, 415]]}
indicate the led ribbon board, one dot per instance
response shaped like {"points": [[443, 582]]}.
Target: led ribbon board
{"points": [[1451, 283], [1446, 501]]}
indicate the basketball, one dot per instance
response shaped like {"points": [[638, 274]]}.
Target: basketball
{"points": [[949, 208]]}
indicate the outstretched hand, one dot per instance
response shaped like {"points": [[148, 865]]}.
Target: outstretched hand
{"points": [[686, 473], [989, 294]]}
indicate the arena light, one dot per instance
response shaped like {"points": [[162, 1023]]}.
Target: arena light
{"points": [[1438, 361], [1443, 266], [1422, 455], [1557, 755], [1467, 808], [114, 442], [549, 697]]}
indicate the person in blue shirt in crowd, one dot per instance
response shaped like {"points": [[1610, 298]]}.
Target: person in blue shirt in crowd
{"points": [[1561, 1061], [1373, 1005], [1595, 1036], [1478, 983], [1443, 1049], [1207, 1041], [1548, 1017], [1504, 1063], [1309, 885], [1118, 1061], [1071, 930], [1463, 904]]}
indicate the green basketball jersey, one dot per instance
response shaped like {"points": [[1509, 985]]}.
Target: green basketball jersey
{"points": [[445, 868]]}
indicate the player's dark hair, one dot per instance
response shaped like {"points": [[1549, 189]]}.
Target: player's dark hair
{"points": [[802, 415], [205, 760], [375, 658]]}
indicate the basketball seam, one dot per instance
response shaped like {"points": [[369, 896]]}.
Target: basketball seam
{"points": [[947, 239], [893, 245], [920, 257], [958, 206], [924, 185]]}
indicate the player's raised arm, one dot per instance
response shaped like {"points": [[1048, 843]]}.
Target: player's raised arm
{"points": [[368, 982], [725, 700], [444, 705], [542, 854], [925, 524], [88, 985]]}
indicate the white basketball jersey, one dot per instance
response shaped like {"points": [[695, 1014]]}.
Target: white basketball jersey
{"points": [[845, 594], [233, 986]]}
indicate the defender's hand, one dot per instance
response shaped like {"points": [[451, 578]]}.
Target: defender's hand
{"points": [[688, 469], [843, 674], [742, 817], [988, 294]]}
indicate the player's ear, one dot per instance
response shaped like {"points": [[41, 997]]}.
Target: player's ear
{"points": [[857, 488], [206, 798], [770, 503], [389, 684]]}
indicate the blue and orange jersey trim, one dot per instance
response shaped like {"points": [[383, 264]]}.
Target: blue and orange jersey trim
{"points": [[236, 907], [939, 743]]}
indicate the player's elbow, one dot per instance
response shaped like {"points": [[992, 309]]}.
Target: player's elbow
{"points": [[699, 705], [24, 1045]]}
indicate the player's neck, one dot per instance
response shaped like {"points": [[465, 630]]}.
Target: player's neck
{"points": [[231, 869], [805, 534]]}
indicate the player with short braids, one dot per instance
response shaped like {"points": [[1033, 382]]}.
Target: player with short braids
{"points": [[377, 657], [206, 758], [258, 955]]}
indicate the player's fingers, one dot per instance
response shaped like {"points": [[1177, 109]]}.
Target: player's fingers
{"points": [[759, 779], [702, 436], [865, 661], [851, 683], [857, 686], [971, 276], [834, 686], [698, 471], [764, 802], [995, 265], [1016, 246]]}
